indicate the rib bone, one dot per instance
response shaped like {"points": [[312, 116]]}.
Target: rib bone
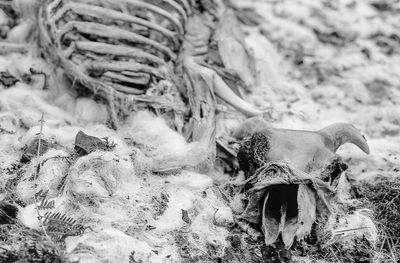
{"points": [[119, 66], [101, 12], [118, 50], [150, 7], [112, 32]]}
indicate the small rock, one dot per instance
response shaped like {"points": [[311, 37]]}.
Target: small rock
{"points": [[185, 216], [85, 144], [7, 80], [32, 149]]}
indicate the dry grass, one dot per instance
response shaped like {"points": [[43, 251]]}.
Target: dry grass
{"points": [[383, 197]]}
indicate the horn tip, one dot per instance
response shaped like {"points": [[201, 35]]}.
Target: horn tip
{"points": [[341, 133], [365, 147]]}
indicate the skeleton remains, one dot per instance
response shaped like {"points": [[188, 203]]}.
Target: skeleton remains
{"points": [[153, 54], [182, 59], [166, 55]]}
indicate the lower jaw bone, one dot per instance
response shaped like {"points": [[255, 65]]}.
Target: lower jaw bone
{"points": [[289, 210], [286, 202]]}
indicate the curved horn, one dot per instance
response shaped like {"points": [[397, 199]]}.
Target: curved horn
{"points": [[225, 93], [340, 133], [222, 90]]}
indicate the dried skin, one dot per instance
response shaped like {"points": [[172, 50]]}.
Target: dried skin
{"points": [[230, 39]]}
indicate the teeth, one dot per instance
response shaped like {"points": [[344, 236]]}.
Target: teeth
{"points": [[289, 210]]}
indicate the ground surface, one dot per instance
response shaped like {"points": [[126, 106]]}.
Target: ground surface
{"points": [[318, 63]]}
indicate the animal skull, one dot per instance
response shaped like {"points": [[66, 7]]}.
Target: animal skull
{"points": [[305, 150], [289, 175]]}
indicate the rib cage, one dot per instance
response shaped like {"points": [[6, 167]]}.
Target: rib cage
{"points": [[114, 46]]}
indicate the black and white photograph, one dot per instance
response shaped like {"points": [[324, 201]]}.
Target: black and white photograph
{"points": [[185, 131]]}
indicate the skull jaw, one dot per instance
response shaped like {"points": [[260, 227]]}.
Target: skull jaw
{"points": [[288, 210]]}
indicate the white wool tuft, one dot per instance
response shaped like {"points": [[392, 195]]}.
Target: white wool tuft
{"points": [[9, 122], [151, 130], [183, 190], [9, 153], [158, 141], [28, 107], [21, 33], [53, 169], [29, 216], [102, 174], [190, 179], [108, 245], [209, 225], [87, 111], [172, 218], [356, 224], [64, 136]]}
